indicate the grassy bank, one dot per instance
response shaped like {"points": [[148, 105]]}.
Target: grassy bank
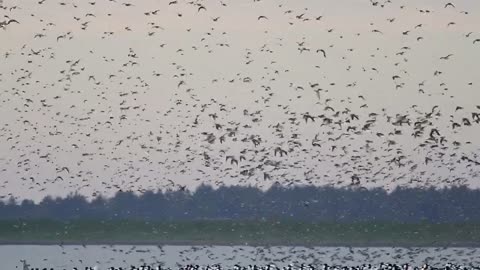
{"points": [[235, 232]]}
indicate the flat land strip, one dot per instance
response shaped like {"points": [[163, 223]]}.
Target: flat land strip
{"points": [[230, 232]]}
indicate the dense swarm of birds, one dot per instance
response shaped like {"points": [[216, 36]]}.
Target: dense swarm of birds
{"points": [[381, 266], [100, 96], [269, 258]]}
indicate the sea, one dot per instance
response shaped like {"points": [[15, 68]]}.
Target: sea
{"points": [[174, 257]]}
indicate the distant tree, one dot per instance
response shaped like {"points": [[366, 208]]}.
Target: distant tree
{"points": [[306, 203]]}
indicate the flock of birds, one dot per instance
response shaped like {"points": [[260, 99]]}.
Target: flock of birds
{"points": [[381, 266], [251, 258], [103, 96]]}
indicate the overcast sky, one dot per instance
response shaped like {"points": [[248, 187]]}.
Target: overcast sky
{"points": [[98, 96]]}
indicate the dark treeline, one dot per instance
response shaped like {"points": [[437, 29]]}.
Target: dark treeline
{"points": [[306, 203]]}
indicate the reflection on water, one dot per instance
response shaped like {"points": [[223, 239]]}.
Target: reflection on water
{"points": [[60, 257]]}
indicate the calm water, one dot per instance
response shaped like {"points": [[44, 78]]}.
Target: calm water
{"points": [[173, 256]]}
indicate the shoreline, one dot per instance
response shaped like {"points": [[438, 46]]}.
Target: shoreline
{"points": [[234, 243]]}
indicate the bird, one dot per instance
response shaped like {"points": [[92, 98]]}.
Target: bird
{"points": [[355, 180], [5, 23], [449, 5], [323, 52], [446, 57]]}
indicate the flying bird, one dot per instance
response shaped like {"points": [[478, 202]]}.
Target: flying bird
{"points": [[5, 23], [449, 5], [446, 57], [323, 52]]}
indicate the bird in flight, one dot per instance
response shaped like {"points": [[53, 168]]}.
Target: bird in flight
{"points": [[446, 57], [322, 51], [449, 5], [5, 23]]}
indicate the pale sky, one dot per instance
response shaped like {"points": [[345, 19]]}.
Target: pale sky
{"points": [[71, 97]]}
